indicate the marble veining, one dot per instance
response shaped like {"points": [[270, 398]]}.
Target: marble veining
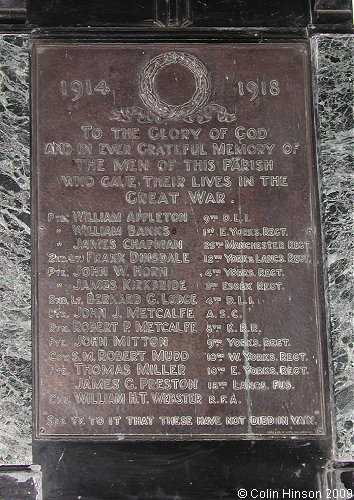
{"points": [[15, 287], [334, 98]]}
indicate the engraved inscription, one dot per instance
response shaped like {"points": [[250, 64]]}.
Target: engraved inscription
{"points": [[176, 239]]}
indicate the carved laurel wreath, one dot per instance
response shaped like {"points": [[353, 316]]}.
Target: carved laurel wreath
{"points": [[150, 97]]}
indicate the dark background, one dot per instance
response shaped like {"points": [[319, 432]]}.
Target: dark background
{"points": [[176, 471]]}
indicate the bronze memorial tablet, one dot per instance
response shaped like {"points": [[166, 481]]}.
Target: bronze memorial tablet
{"points": [[176, 242]]}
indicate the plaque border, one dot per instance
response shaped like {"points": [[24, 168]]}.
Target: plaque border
{"points": [[323, 341]]}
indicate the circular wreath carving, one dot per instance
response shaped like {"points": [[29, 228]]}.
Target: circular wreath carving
{"points": [[149, 94]]}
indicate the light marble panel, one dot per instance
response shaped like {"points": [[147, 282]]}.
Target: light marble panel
{"points": [[15, 288], [333, 57]]}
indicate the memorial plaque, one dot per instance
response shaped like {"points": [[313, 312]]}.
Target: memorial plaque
{"points": [[176, 246]]}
